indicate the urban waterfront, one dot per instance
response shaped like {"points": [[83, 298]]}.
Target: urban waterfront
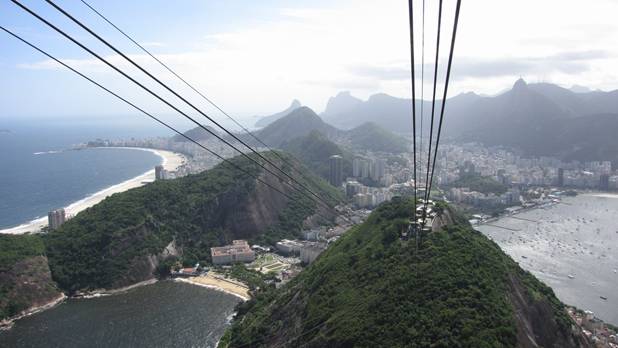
{"points": [[165, 314], [40, 174], [570, 246]]}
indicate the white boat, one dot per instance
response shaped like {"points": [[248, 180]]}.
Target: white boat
{"points": [[571, 276]]}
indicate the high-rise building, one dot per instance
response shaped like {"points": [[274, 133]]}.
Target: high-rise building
{"points": [[560, 181], [356, 167], [55, 218], [335, 176], [604, 182], [379, 169], [159, 173]]}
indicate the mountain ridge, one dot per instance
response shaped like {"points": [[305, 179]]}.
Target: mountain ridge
{"points": [[264, 121]]}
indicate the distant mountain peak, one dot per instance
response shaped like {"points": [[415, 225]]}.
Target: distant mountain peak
{"points": [[579, 89], [341, 103], [266, 120], [299, 122], [520, 84]]}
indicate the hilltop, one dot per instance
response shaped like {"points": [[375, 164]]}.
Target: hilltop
{"points": [[125, 238], [264, 121], [314, 150], [197, 134], [371, 289], [370, 136], [298, 123]]}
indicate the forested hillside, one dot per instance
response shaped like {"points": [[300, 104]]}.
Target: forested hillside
{"points": [[370, 289], [123, 239]]}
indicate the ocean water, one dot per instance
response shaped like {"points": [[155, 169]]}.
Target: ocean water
{"points": [[572, 247], [165, 314], [38, 173]]}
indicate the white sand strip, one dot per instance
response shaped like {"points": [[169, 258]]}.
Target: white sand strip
{"points": [[170, 161]]}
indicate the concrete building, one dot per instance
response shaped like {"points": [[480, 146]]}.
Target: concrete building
{"points": [[289, 247], [55, 218], [159, 172], [312, 234], [310, 252], [352, 187], [604, 182], [335, 176], [361, 167], [239, 251], [378, 169]]}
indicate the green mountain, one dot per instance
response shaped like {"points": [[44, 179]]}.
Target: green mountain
{"points": [[478, 183], [369, 136], [370, 289], [124, 239], [197, 134], [314, 151], [298, 123], [264, 121], [25, 280]]}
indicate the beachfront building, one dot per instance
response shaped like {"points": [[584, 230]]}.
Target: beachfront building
{"points": [[160, 173], [238, 251], [55, 218]]}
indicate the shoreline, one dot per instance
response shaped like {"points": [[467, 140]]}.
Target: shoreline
{"points": [[213, 283], [169, 160], [108, 292], [7, 324]]}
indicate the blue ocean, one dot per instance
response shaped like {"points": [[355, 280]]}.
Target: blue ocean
{"points": [[39, 171]]}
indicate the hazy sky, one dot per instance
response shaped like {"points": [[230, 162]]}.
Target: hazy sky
{"points": [[254, 57]]}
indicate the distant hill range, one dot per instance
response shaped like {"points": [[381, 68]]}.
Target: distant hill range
{"points": [[197, 133], [539, 119], [302, 121], [264, 121]]}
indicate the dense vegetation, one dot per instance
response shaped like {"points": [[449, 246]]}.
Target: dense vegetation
{"points": [[108, 245], [369, 136], [482, 184], [24, 274], [14, 248], [298, 123], [314, 150], [371, 289]]}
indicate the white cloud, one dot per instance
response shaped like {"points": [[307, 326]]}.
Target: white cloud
{"points": [[363, 46]]}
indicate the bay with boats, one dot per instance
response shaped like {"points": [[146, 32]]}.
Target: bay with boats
{"points": [[571, 245]]}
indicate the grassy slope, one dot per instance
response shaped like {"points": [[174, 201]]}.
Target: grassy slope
{"points": [[370, 289], [96, 248]]}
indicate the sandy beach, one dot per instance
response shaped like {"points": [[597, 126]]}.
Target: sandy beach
{"points": [[169, 160], [218, 282]]}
